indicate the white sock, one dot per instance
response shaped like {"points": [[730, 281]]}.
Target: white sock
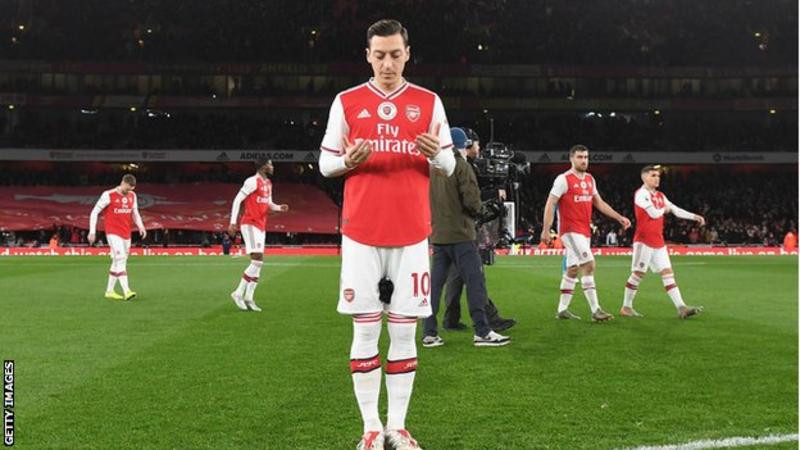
{"points": [[112, 276], [567, 289], [365, 367], [630, 290], [123, 274], [250, 277], [672, 290], [242, 286], [590, 292], [401, 366]]}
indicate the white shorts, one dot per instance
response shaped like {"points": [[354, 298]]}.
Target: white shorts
{"points": [[253, 239], [579, 250], [644, 257], [120, 248], [363, 266]]}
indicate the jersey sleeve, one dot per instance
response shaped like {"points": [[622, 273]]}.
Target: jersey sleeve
{"points": [[642, 200], [102, 202], [337, 128], [137, 218], [439, 117], [596, 190], [559, 186], [677, 211], [249, 186]]}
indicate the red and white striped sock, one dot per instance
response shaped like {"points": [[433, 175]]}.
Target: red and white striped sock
{"points": [[672, 290], [247, 286], [590, 292], [365, 367], [567, 289], [630, 290], [112, 278], [401, 367], [123, 275]]}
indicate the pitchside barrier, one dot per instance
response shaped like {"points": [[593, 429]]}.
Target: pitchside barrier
{"points": [[331, 250]]}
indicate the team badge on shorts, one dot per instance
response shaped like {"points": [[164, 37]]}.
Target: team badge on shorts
{"points": [[387, 110], [349, 294], [585, 254], [412, 113], [641, 264]]}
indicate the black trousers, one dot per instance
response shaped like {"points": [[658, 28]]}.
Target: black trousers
{"points": [[452, 300], [464, 257]]}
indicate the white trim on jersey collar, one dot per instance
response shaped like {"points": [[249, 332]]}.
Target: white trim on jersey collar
{"points": [[374, 88]]}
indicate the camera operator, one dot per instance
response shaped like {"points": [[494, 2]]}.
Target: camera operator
{"points": [[455, 204], [454, 284]]}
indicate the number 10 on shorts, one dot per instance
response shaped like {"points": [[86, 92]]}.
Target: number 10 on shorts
{"points": [[421, 283]]}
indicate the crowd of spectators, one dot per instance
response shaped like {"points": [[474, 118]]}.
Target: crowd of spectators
{"points": [[303, 130], [609, 32]]}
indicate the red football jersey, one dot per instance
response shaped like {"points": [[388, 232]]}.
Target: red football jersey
{"points": [[386, 199], [259, 196], [575, 195], [649, 231], [118, 211]]}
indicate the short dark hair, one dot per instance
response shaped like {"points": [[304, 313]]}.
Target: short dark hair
{"points": [[578, 148], [387, 27], [129, 178], [650, 168], [261, 161]]}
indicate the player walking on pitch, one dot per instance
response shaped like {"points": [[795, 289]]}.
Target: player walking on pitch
{"points": [[382, 136], [256, 195], [575, 193], [649, 249], [120, 208]]}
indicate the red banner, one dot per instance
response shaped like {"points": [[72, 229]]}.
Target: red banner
{"points": [[333, 250], [194, 206], [679, 250], [169, 251]]}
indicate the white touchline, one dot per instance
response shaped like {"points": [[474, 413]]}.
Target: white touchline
{"points": [[723, 443]]}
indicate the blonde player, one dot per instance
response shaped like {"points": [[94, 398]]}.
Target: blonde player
{"points": [[256, 196], [119, 207], [382, 136], [575, 193], [649, 249]]}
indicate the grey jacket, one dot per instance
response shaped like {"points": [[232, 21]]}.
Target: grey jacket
{"points": [[455, 204]]}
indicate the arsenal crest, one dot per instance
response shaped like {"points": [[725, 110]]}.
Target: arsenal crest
{"points": [[412, 113], [349, 294]]}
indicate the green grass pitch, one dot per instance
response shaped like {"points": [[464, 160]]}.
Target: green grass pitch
{"points": [[180, 367]]}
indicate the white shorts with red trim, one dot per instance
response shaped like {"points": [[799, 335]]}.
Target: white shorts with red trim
{"points": [[578, 247], [120, 248], [253, 239], [645, 257], [363, 266]]}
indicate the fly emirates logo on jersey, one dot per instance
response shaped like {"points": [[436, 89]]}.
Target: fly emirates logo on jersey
{"points": [[263, 196], [122, 206], [388, 141], [584, 195]]}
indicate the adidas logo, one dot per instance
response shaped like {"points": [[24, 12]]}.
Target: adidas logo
{"points": [[364, 114]]}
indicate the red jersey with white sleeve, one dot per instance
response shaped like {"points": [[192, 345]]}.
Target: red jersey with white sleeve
{"points": [[650, 207], [386, 198], [575, 193], [256, 196], [119, 213]]}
